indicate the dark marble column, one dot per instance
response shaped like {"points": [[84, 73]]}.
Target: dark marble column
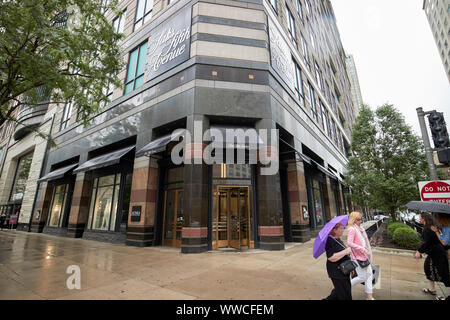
{"points": [[42, 207], [194, 236], [270, 207]]}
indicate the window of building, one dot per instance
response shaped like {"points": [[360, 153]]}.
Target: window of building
{"points": [[119, 22], [105, 4], [144, 13], [21, 177], [67, 113], [335, 138], [274, 4], [313, 38], [308, 6], [305, 51], [319, 214], [58, 205], [327, 121], [300, 10], [136, 68], [291, 26], [299, 84], [312, 101], [318, 75], [104, 201]]}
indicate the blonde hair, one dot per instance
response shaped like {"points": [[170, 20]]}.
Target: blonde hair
{"points": [[353, 216]]}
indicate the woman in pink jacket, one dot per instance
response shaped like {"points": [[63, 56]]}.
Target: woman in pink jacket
{"points": [[358, 241]]}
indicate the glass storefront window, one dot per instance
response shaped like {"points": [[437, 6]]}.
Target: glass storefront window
{"points": [[318, 203], [20, 181], [58, 205], [104, 200]]}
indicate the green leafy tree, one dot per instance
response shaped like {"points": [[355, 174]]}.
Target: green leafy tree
{"points": [[56, 51], [387, 162]]}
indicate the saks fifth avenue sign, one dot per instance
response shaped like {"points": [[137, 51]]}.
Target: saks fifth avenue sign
{"points": [[169, 44], [280, 56]]}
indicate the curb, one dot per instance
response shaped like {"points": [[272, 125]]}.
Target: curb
{"points": [[398, 252]]}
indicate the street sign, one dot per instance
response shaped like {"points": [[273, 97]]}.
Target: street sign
{"points": [[438, 191]]}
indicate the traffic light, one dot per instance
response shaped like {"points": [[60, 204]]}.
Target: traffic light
{"points": [[438, 130]]}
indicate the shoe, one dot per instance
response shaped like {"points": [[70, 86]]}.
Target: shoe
{"points": [[428, 291], [440, 298], [370, 299]]}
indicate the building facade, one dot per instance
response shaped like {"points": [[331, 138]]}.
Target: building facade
{"points": [[438, 15], [354, 80], [199, 65]]}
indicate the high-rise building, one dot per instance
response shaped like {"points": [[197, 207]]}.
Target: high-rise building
{"points": [[438, 15], [354, 81], [195, 65]]}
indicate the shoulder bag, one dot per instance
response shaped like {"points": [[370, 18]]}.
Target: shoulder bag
{"points": [[347, 266]]}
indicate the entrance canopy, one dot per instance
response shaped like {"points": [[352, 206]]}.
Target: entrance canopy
{"points": [[159, 144], [57, 174], [103, 160]]}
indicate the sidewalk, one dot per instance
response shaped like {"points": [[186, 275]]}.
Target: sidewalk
{"points": [[33, 266]]}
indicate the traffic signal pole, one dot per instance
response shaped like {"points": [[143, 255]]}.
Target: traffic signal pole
{"points": [[426, 143]]}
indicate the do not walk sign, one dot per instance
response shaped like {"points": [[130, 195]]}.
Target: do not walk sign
{"points": [[438, 191]]}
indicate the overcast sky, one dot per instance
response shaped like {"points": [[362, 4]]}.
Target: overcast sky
{"points": [[395, 55]]}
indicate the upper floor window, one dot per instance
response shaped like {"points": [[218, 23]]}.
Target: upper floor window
{"points": [[312, 101], [291, 26], [105, 4], [136, 68], [308, 6], [274, 4], [300, 9], [144, 12], [318, 75], [119, 22], [299, 84], [67, 113], [305, 51]]}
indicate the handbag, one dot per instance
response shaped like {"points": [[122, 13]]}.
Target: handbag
{"points": [[363, 264], [347, 266]]}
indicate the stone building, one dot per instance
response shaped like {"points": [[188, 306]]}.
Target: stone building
{"points": [[438, 15], [199, 65]]}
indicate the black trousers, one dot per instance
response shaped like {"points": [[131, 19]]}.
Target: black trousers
{"points": [[342, 290]]}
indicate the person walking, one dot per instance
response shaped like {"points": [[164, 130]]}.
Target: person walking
{"points": [[361, 253], [2, 220], [336, 254], [436, 264]]}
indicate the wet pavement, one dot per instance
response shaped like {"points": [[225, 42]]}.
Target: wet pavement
{"points": [[33, 266]]}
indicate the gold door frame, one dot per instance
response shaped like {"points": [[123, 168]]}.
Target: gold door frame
{"points": [[216, 244], [177, 226]]}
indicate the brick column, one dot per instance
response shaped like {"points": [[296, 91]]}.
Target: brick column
{"points": [[143, 196], [79, 211], [298, 199], [194, 235], [38, 221]]}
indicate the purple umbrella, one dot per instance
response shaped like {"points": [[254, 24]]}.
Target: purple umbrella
{"points": [[322, 237]]}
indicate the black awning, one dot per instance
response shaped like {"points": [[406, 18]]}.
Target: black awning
{"points": [[324, 170], [302, 157], [232, 141], [57, 174], [103, 160], [159, 144]]}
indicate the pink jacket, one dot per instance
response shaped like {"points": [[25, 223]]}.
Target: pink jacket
{"points": [[356, 245]]}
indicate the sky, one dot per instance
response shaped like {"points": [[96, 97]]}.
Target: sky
{"points": [[396, 57]]}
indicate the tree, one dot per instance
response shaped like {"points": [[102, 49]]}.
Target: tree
{"points": [[56, 51], [387, 162]]}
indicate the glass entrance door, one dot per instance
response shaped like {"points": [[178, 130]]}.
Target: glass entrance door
{"points": [[231, 224], [173, 218]]}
